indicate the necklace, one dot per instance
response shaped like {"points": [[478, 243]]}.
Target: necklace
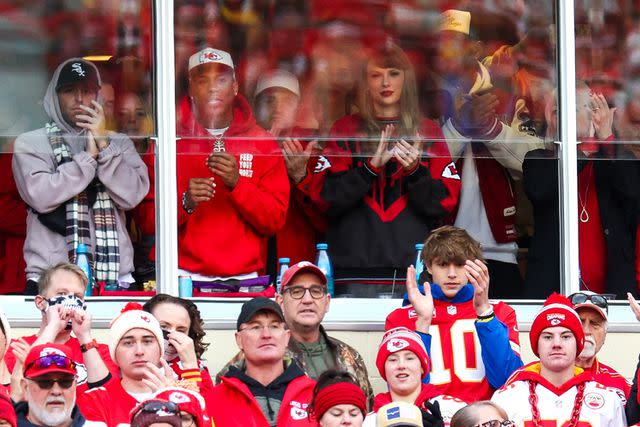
{"points": [[584, 214], [218, 145]]}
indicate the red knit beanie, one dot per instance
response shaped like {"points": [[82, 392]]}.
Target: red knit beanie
{"points": [[342, 393], [398, 339], [556, 311]]}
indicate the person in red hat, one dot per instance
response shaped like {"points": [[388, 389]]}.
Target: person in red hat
{"points": [[554, 391], [403, 363], [7, 413], [192, 406], [49, 383], [305, 301], [156, 413], [593, 310]]}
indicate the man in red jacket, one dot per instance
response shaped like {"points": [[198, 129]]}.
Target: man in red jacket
{"points": [[268, 390], [232, 181]]}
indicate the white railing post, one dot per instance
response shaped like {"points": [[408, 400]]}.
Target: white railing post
{"points": [[166, 197]]}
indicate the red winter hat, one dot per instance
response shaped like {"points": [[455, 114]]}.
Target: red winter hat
{"points": [[556, 311], [398, 339], [47, 358], [188, 401], [302, 267], [6, 411]]}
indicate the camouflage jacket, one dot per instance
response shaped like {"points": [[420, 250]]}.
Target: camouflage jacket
{"points": [[345, 357]]}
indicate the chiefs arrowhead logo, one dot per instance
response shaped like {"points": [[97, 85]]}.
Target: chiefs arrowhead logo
{"points": [[450, 171], [397, 344], [322, 164], [177, 397]]}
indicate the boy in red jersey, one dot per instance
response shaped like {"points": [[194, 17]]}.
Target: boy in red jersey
{"points": [[473, 343]]}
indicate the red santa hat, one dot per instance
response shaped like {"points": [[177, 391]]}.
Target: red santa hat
{"points": [[398, 339], [133, 317], [556, 311], [188, 401]]}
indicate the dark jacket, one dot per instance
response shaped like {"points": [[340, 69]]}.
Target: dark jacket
{"points": [[22, 409], [633, 404], [617, 182]]}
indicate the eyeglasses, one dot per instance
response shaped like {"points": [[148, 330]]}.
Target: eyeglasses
{"points": [[497, 423], [297, 292], [597, 300], [51, 359], [47, 384], [274, 328], [186, 419], [159, 408]]}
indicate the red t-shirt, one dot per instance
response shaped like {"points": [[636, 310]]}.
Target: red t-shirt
{"points": [[108, 405]]}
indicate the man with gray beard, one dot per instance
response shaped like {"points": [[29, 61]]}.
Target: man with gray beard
{"points": [[49, 386]]}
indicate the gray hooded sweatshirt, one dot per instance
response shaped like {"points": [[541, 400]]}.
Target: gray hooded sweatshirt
{"points": [[44, 185]]}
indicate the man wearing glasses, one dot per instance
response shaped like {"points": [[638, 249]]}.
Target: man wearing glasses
{"points": [[49, 386], [593, 310], [267, 389], [554, 391], [304, 301]]}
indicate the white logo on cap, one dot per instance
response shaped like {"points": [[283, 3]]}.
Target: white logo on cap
{"points": [[555, 318], [397, 344], [50, 350], [303, 264], [77, 67], [209, 56], [177, 397]]}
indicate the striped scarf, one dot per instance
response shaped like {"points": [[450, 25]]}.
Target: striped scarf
{"points": [[106, 265]]}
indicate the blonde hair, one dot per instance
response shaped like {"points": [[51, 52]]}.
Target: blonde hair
{"points": [[391, 56]]}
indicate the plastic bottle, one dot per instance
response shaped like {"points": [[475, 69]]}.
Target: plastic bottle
{"points": [[324, 264], [82, 261], [419, 265], [284, 266]]}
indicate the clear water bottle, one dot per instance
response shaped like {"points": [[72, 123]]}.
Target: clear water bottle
{"points": [[284, 266], [419, 265], [324, 264], [82, 261]]}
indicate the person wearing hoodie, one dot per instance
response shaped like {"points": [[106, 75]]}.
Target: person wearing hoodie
{"points": [[78, 179], [473, 342], [554, 391], [268, 390], [232, 181], [49, 384]]}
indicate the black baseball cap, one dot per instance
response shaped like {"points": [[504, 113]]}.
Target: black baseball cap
{"points": [[251, 307], [79, 71]]}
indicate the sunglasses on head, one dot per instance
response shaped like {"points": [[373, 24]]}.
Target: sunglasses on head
{"points": [[47, 383], [52, 359], [497, 423], [159, 408], [597, 300]]}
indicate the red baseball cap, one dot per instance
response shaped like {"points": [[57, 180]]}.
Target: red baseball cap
{"points": [[302, 267], [47, 358], [6, 411]]}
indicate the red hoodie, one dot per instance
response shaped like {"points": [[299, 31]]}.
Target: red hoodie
{"points": [[226, 235]]}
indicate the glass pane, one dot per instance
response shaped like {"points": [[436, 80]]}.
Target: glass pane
{"points": [[75, 125], [366, 111], [607, 124]]}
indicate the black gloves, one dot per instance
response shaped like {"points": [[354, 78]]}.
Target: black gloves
{"points": [[431, 416]]}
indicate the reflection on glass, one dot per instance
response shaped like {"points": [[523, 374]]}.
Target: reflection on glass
{"points": [[471, 91], [606, 68], [75, 174]]}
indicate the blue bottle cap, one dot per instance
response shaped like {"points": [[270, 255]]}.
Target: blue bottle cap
{"points": [[284, 260], [419, 246], [81, 248], [321, 246]]}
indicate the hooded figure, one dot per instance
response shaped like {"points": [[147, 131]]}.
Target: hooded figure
{"points": [[78, 179]]}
